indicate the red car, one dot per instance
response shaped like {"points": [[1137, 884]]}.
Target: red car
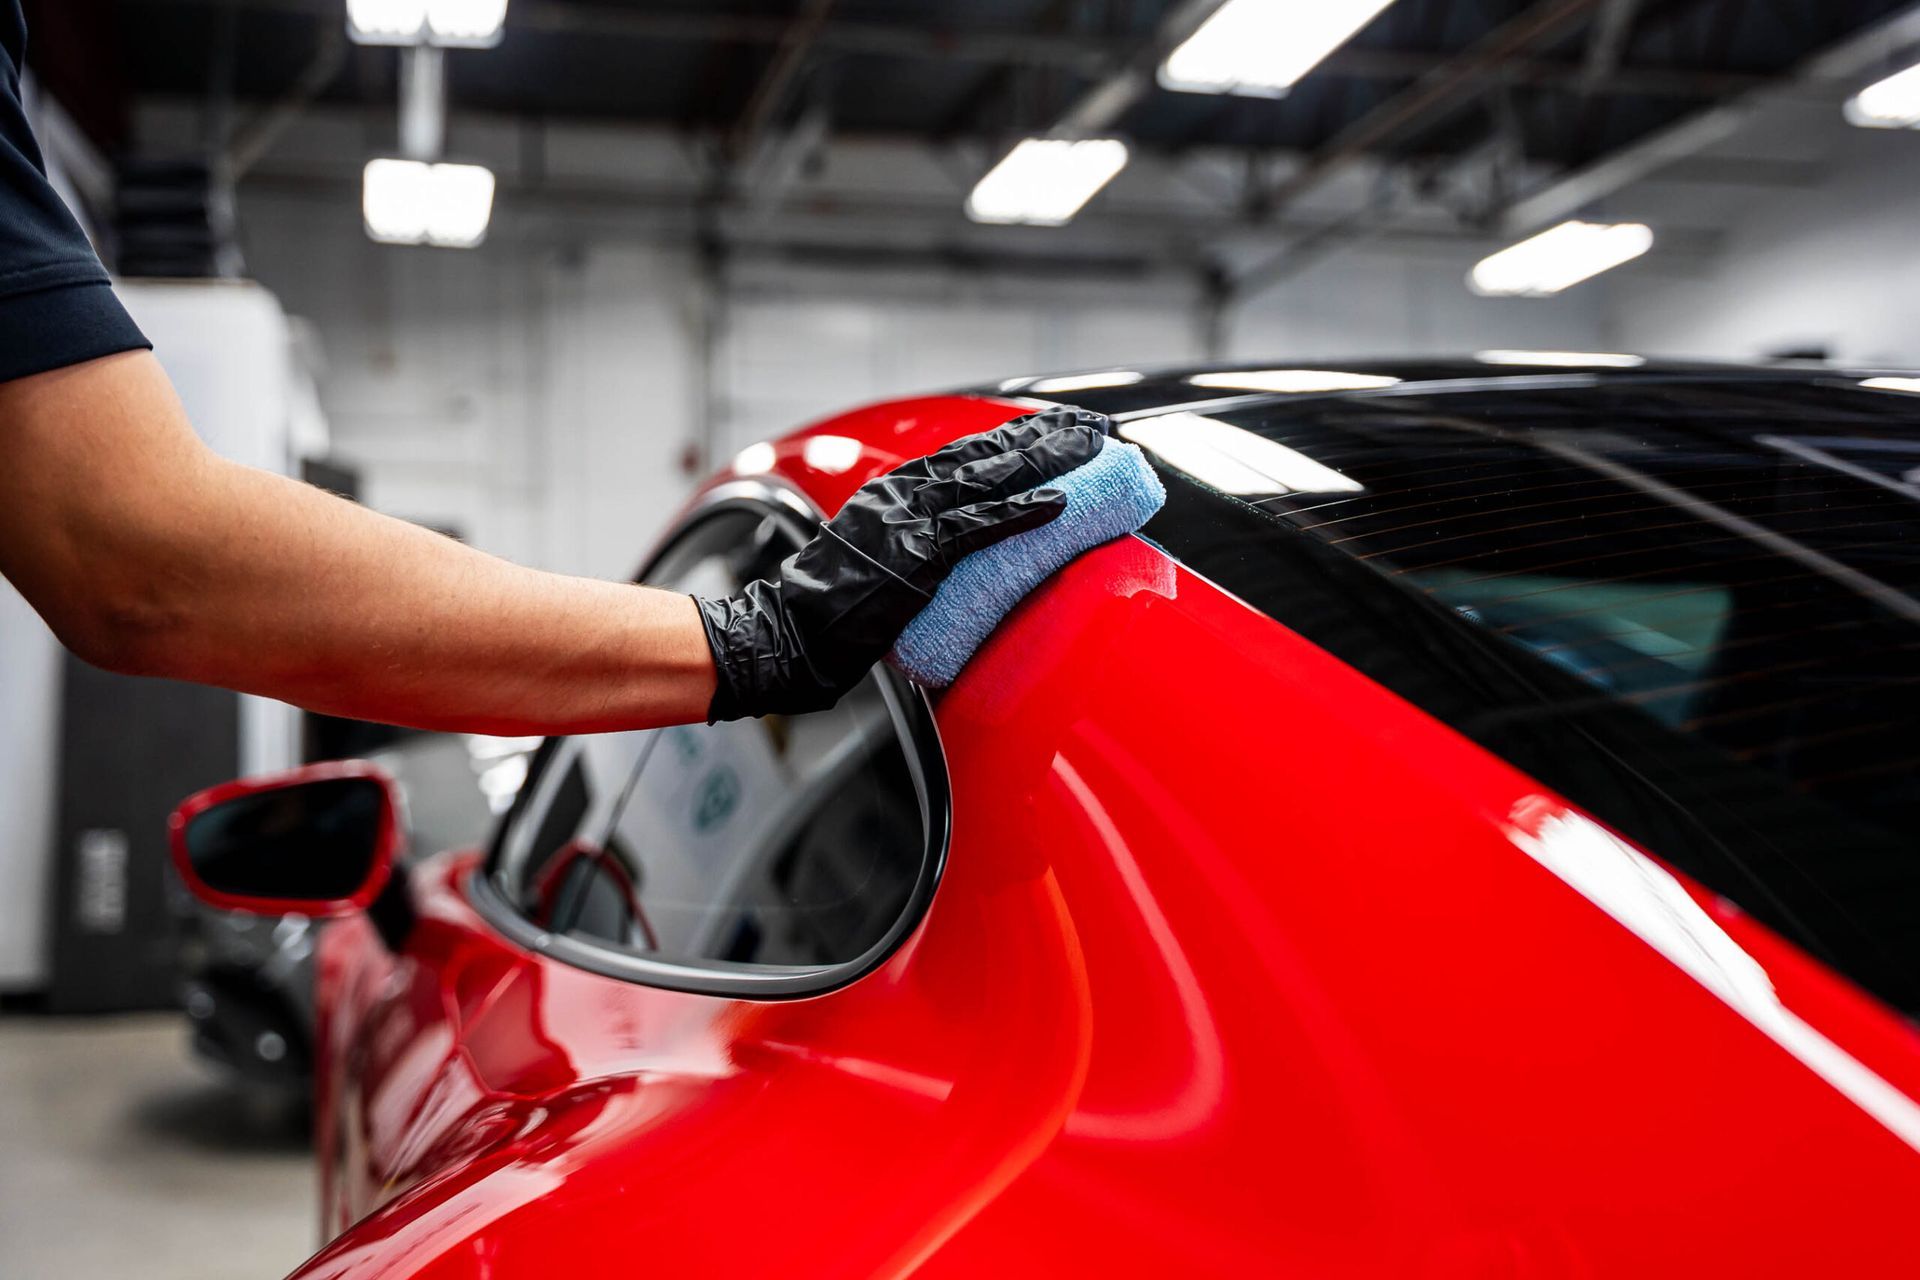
{"points": [[1470, 832]]}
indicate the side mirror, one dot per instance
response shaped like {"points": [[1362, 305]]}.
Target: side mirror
{"points": [[319, 841]]}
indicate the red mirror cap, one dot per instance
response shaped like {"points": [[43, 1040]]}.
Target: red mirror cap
{"points": [[378, 874]]}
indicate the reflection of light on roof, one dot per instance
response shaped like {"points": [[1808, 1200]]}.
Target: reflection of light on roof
{"points": [[1571, 359], [831, 454], [755, 459], [1910, 385], [1231, 459], [1293, 380], [1082, 381]]}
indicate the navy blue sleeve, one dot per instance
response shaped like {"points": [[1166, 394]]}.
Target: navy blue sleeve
{"points": [[56, 306]]}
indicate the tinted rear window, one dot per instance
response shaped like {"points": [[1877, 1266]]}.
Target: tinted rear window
{"points": [[1693, 607]]}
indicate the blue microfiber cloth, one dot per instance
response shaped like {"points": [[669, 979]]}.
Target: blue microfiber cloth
{"points": [[1107, 498]]}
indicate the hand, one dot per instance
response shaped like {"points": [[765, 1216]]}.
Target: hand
{"points": [[799, 641]]}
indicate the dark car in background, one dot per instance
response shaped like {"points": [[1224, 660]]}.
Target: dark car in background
{"points": [[247, 980]]}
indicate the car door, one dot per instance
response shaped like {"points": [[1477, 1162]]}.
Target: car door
{"points": [[767, 859], [775, 857]]}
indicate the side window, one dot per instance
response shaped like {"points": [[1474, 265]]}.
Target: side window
{"points": [[702, 855]]}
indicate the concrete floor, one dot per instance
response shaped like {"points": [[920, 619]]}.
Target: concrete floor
{"points": [[121, 1156]]}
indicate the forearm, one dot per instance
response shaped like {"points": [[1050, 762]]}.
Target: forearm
{"points": [[321, 603], [185, 565]]}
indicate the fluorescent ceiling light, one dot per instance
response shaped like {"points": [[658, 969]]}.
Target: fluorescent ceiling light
{"points": [[466, 21], [1263, 47], [1043, 182], [1559, 258], [1909, 385], [1291, 380], [386, 21], [475, 23], [1571, 359], [1232, 459], [408, 202], [1893, 103], [1086, 381]]}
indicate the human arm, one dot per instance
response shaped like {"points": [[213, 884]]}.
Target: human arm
{"points": [[148, 553]]}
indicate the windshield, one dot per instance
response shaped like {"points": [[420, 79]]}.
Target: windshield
{"points": [[1692, 606]]}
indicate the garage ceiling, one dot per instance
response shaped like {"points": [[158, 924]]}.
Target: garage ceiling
{"points": [[1475, 118], [1568, 80]]}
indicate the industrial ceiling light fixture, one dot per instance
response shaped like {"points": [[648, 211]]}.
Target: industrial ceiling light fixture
{"points": [[1261, 48], [1044, 182], [1892, 103], [467, 24], [412, 202], [386, 21], [1559, 258], [419, 199]]}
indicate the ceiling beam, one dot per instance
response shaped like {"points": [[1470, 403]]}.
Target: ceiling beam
{"points": [[1435, 94], [1099, 109], [1835, 67], [863, 213], [790, 57], [1607, 45], [255, 136], [776, 83], [1081, 53], [1445, 88], [884, 39]]}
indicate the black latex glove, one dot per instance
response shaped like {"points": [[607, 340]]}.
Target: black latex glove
{"points": [[798, 641]]}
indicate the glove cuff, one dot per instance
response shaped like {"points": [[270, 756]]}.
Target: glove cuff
{"points": [[722, 620]]}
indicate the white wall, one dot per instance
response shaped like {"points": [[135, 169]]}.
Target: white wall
{"points": [[542, 394], [1411, 302], [799, 346], [1833, 263], [29, 721], [535, 397]]}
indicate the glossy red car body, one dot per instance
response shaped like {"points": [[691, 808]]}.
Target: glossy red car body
{"points": [[1195, 997]]}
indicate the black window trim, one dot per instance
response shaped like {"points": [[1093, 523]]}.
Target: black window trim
{"points": [[912, 716]]}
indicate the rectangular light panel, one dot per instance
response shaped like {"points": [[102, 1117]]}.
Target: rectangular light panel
{"points": [[1893, 103], [1261, 48], [458, 23], [1559, 258], [408, 202], [1044, 182]]}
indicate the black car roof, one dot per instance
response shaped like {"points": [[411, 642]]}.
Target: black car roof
{"points": [[1124, 389]]}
